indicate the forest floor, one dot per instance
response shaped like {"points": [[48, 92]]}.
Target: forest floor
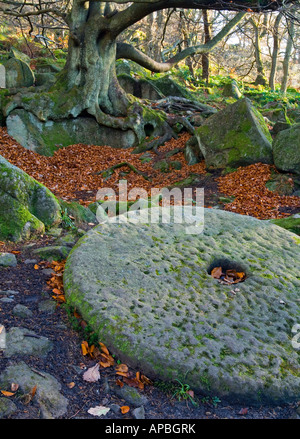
{"points": [[71, 175]]}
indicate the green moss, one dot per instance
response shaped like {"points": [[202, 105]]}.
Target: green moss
{"points": [[291, 224], [16, 222]]}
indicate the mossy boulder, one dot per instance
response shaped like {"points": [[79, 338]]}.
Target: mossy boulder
{"points": [[140, 88], [232, 90], [79, 214], [168, 87], [286, 150], [18, 74], [26, 206], [15, 53], [4, 98], [235, 136], [46, 137], [192, 152], [281, 183]]}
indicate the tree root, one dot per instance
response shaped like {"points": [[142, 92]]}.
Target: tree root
{"points": [[177, 104], [108, 172]]}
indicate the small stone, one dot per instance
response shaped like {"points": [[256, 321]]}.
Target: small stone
{"points": [[139, 413], [115, 408], [30, 261], [47, 306], [22, 341], [6, 299], [22, 311], [57, 252], [9, 293], [52, 403], [8, 260], [131, 395]]}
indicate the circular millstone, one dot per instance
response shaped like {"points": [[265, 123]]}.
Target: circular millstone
{"points": [[146, 290]]}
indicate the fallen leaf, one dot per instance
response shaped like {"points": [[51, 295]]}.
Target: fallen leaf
{"points": [[84, 348], [104, 349], [217, 272], [124, 409], [122, 368], [33, 391], [92, 374], [99, 410], [123, 374], [71, 385], [6, 393], [120, 383]]}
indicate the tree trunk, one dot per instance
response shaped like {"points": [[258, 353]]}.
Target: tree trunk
{"points": [[88, 85], [91, 62], [276, 43], [287, 55], [207, 38], [261, 76]]}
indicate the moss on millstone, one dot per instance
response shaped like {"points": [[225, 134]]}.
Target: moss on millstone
{"points": [[188, 314], [291, 223]]}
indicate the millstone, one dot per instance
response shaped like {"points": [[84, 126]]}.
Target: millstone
{"points": [[146, 289]]}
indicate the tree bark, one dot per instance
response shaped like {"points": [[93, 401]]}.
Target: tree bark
{"points": [[287, 55], [207, 38], [276, 44], [261, 76]]}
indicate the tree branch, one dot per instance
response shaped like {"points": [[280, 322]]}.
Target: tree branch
{"points": [[127, 51]]}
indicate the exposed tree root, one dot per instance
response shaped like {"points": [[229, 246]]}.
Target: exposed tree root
{"points": [[108, 172]]}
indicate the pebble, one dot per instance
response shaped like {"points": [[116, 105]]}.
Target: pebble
{"points": [[22, 311], [8, 293], [30, 261], [8, 260], [139, 413]]}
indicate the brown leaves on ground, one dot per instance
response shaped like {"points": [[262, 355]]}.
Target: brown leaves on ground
{"points": [[230, 276], [56, 280], [252, 197], [71, 173]]}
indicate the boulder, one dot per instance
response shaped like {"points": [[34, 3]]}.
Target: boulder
{"points": [[286, 149], [141, 88], [18, 74], [145, 287], [231, 89], [192, 152], [168, 87], [46, 137], [15, 53], [8, 260], [44, 79], [235, 136], [48, 390], [26, 206]]}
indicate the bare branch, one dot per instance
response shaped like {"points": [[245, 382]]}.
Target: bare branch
{"points": [[127, 51]]}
